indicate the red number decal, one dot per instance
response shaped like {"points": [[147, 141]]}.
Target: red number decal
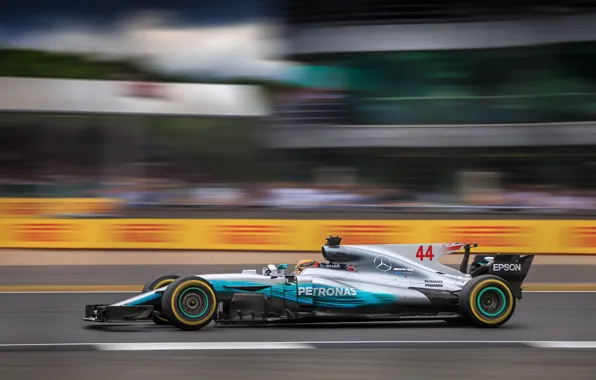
{"points": [[420, 253], [428, 254]]}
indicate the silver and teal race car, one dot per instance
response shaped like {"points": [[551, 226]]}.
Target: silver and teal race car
{"points": [[352, 283]]}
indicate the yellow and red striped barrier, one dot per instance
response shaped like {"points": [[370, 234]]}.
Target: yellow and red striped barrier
{"points": [[507, 236]]}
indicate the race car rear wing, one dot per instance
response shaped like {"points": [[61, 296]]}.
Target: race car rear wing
{"points": [[513, 268]]}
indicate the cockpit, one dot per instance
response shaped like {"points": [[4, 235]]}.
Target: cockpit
{"points": [[333, 259], [306, 263]]}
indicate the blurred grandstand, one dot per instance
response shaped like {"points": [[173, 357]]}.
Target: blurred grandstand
{"points": [[362, 124], [485, 105]]}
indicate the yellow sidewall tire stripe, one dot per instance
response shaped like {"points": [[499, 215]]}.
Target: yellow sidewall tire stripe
{"points": [[175, 296], [163, 283], [472, 301]]}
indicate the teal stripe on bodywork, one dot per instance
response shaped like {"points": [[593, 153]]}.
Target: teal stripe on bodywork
{"points": [[144, 300], [290, 293]]}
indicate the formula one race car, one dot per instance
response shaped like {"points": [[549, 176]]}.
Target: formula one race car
{"points": [[355, 283]]}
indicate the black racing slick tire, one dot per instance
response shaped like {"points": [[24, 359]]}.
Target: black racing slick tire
{"points": [[158, 318], [190, 303], [487, 301]]}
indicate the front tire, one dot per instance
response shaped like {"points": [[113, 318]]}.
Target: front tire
{"points": [[190, 303], [487, 301], [150, 285]]}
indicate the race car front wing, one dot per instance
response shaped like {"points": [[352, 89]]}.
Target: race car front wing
{"points": [[107, 313]]}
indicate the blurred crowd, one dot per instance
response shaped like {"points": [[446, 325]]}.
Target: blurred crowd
{"points": [[295, 195], [264, 195], [138, 193], [540, 197]]}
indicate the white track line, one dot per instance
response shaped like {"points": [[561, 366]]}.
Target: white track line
{"points": [[17, 345], [194, 346], [544, 344], [555, 344], [203, 346]]}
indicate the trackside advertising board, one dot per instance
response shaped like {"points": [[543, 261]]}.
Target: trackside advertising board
{"points": [[506, 236]]}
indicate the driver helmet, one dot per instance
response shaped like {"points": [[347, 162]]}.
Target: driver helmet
{"points": [[303, 264]]}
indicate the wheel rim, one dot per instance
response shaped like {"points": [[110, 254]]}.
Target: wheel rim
{"points": [[491, 301], [193, 302]]}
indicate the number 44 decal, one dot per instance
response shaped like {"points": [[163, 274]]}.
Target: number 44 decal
{"points": [[421, 253]]}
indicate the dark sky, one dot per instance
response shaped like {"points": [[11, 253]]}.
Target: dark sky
{"points": [[25, 15]]}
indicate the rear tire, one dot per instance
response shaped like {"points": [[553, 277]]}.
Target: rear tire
{"points": [[487, 301], [162, 281], [190, 303]]}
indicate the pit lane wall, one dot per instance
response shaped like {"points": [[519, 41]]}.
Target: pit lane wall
{"points": [[506, 236]]}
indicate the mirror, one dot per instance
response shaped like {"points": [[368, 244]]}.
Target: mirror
{"points": [[281, 269], [271, 270]]}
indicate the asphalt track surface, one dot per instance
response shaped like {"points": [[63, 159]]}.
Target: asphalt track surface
{"points": [[353, 351], [56, 318], [138, 275], [357, 364]]}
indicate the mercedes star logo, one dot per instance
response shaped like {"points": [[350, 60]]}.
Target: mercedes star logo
{"points": [[382, 263]]}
